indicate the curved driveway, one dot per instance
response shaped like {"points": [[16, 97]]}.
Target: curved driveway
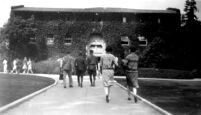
{"points": [[81, 101]]}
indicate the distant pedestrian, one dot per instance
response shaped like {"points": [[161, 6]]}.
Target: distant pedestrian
{"points": [[14, 70], [5, 66], [131, 63], [107, 63], [60, 60], [80, 66], [68, 68], [24, 66], [92, 66], [29, 64]]}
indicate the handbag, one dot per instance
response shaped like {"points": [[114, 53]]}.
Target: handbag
{"points": [[61, 76]]}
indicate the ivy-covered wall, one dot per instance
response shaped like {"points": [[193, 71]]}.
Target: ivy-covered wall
{"points": [[28, 32], [80, 32]]}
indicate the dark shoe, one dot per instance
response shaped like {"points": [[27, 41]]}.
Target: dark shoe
{"points": [[81, 85], [64, 86], [135, 99], [107, 99], [129, 98], [70, 86]]}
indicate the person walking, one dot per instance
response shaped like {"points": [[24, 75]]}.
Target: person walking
{"points": [[14, 70], [5, 66], [60, 60], [131, 63], [92, 66], [24, 67], [68, 68], [29, 64], [107, 64], [80, 66]]}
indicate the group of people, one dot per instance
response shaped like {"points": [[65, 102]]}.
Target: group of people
{"points": [[16, 66], [80, 65], [105, 67]]}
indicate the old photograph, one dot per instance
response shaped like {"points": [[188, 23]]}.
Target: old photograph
{"points": [[100, 57]]}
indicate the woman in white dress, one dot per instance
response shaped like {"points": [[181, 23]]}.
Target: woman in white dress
{"points": [[107, 63], [29, 64], [5, 66], [24, 67], [14, 66]]}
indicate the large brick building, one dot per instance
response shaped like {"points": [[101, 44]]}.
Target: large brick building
{"points": [[66, 29]]}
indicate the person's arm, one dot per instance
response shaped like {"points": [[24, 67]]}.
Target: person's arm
{"points": [[125, 61], [63, 62], [87, 62], [97, 63], [101, 65], [72, 64], [75, 63], [116, 61]]}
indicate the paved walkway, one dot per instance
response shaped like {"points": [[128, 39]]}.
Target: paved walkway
{"points": [[81, 101]]}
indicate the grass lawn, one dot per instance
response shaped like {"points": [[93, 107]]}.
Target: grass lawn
{"points": [[177, 97], [13, 87]]}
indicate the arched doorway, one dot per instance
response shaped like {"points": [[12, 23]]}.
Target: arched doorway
{"points": [[97, 44]]}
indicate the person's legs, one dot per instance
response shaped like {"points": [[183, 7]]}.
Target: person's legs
{"points": [[135, 85], [129, 92], [64, 78], [106, 89], [70, 79], [78, 80], [94, 77], [15, 71], [81, 80], [90, 77], [4, 69], [31, 71], [28, 70]]}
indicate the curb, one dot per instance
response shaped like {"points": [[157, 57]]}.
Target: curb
{"points": [[164, 79], [147, 102], [12, 104]]}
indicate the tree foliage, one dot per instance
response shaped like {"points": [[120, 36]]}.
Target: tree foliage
{"points": [[21, 36], [190, 9]]}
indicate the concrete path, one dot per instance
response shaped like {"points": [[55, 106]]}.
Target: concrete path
{"points": [[81, 101]]}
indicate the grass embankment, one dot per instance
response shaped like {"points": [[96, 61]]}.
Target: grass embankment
{"points": [[165, 73], [177, 97], [13, 86]]}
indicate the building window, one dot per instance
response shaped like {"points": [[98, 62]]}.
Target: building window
{"points": [[68, 40], [125, 41], [142, 41], [124, 20], [50, 39]]}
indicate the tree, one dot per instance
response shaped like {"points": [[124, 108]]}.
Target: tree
{"points": [[190, 9], [190, 36], [19, 32]]}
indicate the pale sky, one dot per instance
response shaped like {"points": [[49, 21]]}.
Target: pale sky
{"points": [[135, 4]]}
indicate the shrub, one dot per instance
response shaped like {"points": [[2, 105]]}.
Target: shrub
{"points": [[47, 67]]}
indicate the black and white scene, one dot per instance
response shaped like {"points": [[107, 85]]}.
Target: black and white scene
{"points": [[100, 57]]}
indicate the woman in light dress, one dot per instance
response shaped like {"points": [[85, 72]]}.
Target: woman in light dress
{"points": [[29, 64], [14, 66], [24, 67], [5, 66], [107, 63]]}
